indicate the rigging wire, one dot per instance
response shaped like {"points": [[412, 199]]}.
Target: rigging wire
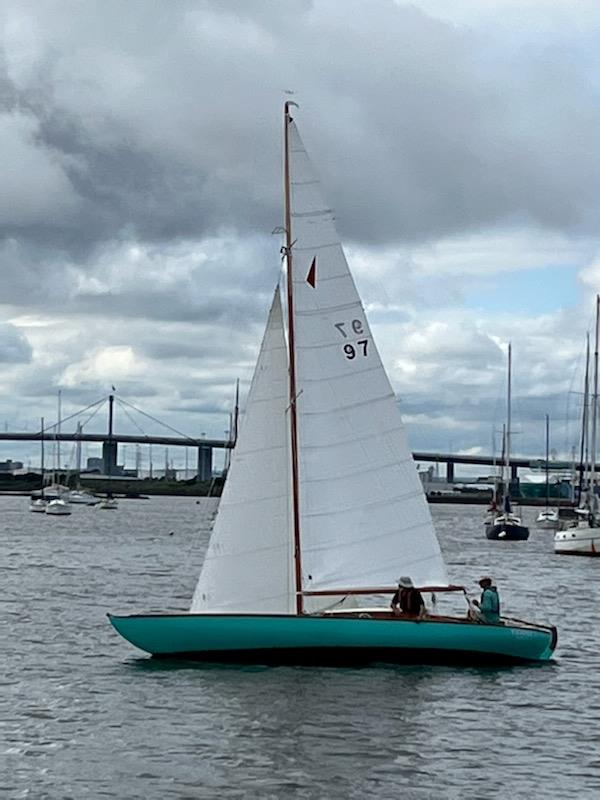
{"points": [[154, 419], [98, 403], [91, 417], [130, 418]]}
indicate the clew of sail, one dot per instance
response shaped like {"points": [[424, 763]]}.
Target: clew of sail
{"points": [[248, 565], [364, 516]]}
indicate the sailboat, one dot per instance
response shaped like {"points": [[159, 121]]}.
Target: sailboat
{"points": [[547, 519], [38, 504], [58, 505], [506, 526], [336, 511], [583, 538]]}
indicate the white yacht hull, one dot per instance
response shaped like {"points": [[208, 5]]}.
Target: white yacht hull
{"points": [[78, 498], [549, 523], [580, 541], [38, 506], [58, 508], [108, 505]]}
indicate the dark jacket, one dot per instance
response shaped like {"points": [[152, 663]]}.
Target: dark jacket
{"points": [[410, 601]]}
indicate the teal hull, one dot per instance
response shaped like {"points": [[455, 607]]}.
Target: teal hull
{"points": [[278, 639]]}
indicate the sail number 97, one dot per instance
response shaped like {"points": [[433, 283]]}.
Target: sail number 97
{"points": [[360, 346]]}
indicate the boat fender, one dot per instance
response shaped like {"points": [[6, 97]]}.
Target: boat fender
{"points": [[364, 615]]}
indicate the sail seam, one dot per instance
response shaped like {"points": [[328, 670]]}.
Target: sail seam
{"points": [[256, 499], [316, 247], [371, 504], [324, 279], [238, 553], [328, 544], [356, 440], [320, 212], [349, 406], [324, 309], [253, 450], [360, 471]]}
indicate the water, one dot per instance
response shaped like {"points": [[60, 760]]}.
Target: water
{"points": [[83, 715]]}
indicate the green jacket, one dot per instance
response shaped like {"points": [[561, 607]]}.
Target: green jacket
{"points": [[489, 605]]}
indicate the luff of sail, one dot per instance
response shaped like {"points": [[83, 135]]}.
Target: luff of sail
{"points": [[364, 516], [248, 565]]}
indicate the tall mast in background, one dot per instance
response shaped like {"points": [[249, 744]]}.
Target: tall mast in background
{"points": [[583, 451], [508, 423], [595, 409]]}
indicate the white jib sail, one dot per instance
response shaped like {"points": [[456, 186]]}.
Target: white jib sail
{"points": [[364, 516], [249, 563]]}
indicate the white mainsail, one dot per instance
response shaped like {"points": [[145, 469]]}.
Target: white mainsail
{"points": [[249, 563], [364, 519]]}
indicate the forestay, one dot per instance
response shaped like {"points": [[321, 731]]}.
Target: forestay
{"points": [[364, 516], [248, 566]]}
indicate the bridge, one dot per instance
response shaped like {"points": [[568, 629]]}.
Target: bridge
{"points": [[205, 446], [111, 440], [450, 459]]}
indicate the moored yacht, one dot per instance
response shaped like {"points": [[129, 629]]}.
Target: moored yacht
{"points": [[547, 519], [58, 508], [583, 539], [39, 500], [38, 505], [107, 504], [81, 497], [506, 526]]}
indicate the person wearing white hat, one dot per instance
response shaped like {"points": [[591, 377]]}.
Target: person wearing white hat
{"points": [[408, 601]]}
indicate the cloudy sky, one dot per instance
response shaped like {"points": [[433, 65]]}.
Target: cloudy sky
{"points": [[140, 180]]}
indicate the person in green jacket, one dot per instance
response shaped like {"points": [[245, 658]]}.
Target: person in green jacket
{"points": [[489, 604]]}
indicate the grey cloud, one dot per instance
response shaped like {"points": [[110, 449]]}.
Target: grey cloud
{"points": [[169, 127], [14, 347]]}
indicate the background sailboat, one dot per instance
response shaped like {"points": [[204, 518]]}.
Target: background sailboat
{"points": [[583, 539], [339, 511], [547, 518], [38, 504], [507, 526], [59, 505]]}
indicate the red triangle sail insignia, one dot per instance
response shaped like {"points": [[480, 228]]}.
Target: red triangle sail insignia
{"points": [[312, 273]]}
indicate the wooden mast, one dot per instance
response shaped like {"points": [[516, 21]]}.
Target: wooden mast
{"points": [[292, 361]]}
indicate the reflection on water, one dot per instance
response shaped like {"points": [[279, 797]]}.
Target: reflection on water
{"points": [[82, 715]]}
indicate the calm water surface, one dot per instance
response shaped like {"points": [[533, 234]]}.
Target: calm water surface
{"points": [[83, 715]]}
